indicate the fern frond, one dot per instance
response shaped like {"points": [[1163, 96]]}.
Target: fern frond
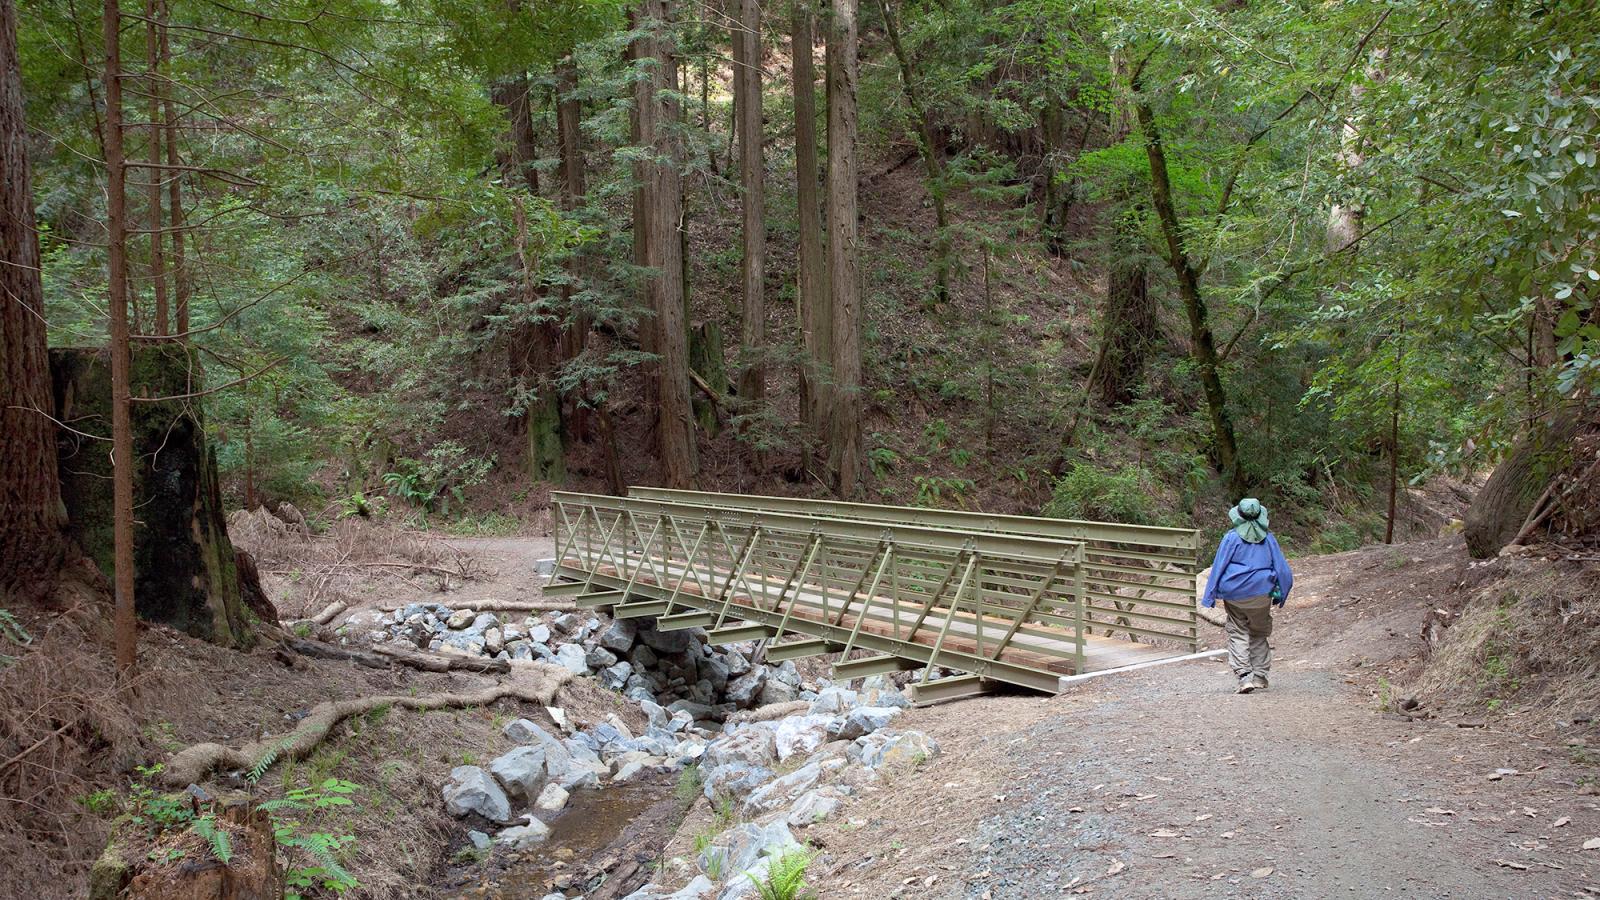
{"points": [[265, 762], [220, 843]]}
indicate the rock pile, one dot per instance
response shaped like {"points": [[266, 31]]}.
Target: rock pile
{"points": [[838, 744], [676, 669]]}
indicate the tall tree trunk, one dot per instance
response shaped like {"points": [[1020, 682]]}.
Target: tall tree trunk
{"points": [[546, 455], [569, 120], [33, 543], [155, 87], [1127, 323], [180, 268], [747, 98], [844, 251], [1394, 434], [511, 95], [127, 634], [1204, 342], [812, 289], [662, 204], [932, 158]]}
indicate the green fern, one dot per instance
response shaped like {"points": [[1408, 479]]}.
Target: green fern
{"points": [[220, 843], [786, 876], [265, 762]]}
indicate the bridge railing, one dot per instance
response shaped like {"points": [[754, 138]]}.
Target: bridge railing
{"points": [[1140, 580], [1003, 606]]}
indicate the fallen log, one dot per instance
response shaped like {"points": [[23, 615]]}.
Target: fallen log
{"points": [[504, 606], [534, 683], [320, 650], [330, 612]]}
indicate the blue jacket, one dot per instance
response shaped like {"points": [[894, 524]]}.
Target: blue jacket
{"points": [[1243, 569]]}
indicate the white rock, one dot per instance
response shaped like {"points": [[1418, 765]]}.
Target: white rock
{"points": [[518, 837], [801, 734], [552, 799]]}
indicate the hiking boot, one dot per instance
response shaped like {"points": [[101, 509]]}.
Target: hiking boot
{"points": [[1259, 682], [1246, 685]]}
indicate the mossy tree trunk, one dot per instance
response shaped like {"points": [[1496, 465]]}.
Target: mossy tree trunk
{"points": [[705, 357], [185, 571]]}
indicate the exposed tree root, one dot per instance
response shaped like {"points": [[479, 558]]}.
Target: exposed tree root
{"points": [[769, 713], [531, 682]]}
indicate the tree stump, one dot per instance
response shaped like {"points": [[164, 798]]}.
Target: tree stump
{"points": [[186, 572]]}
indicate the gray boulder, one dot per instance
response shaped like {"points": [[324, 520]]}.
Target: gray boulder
{"points": [[833, 701], [525, 731], [600, 658], [743, 845], [801, 734], [522, 771], [615, 678], [733, 780], [745, 690], [861, 721], [571, 657], [459, 619], [482, 622], [471, 791], [896, 751], [539, 633], [755, 744], [697, 889], [619, 637], [668, 643], [781, 791], [812, 807], [787, 673], [775, 691]]}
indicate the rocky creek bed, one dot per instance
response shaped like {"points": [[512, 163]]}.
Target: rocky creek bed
{"points": [[587, 811]]}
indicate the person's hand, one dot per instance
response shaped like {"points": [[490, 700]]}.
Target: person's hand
{"points": [[1278, 597]]}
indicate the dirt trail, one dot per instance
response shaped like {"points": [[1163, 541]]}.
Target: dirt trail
{"points": [[1163, 783]]}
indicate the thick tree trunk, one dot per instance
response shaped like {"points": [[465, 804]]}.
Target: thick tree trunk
{"points": [[1506, 500], [33, 542], [127, 635], [747, 98], [663, 206], [184, 565], [155, 87], [546, 454], [932, 158], [569, 120], [705, 358], [511, 95], [1204, 342], [1127, 324], [812, 288], [844, 251]]}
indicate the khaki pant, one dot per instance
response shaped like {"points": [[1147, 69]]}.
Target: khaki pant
{"points": [[1249, 627]]}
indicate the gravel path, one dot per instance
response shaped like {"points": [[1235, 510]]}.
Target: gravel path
{"points": [[1163, 783]]}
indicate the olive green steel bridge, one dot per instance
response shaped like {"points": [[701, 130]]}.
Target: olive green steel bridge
{"points": [[1017, 599]]}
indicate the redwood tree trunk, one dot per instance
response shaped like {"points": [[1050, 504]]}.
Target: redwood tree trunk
{"points": [[511, 95], [844, 251], [662, 203], [569, 119], [812, 290], [33, 542], [127, 635], [747, 98]]}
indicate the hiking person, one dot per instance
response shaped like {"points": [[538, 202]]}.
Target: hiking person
{"points": [[1250, 576]]}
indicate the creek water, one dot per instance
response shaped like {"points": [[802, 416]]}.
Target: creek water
{"points": [[599, 831]]}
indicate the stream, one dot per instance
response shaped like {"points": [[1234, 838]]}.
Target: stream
{"points": [[603, 845]]}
